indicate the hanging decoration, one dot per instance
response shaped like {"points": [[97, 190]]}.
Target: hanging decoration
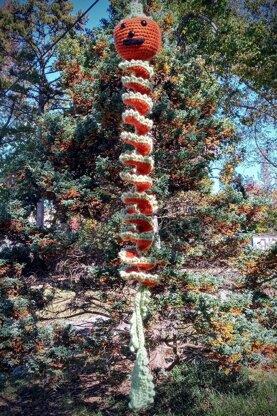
{"points": [[137, 40]]}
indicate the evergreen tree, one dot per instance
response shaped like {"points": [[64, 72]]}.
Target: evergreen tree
{"points": [[29, 86], [190, 134]]}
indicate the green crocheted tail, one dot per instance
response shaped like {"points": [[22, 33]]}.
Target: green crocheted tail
{"points": [[142, 389]]}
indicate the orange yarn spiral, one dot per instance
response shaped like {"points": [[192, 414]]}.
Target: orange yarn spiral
{"points": [[137, 40]]}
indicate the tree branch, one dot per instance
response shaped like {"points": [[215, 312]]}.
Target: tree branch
{"points": [[4, 128], [190, 16], [264, 155]]}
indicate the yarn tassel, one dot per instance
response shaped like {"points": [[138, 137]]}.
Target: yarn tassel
{"points": [[142, 390]]}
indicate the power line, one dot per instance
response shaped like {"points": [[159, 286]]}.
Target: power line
{"points": [[52, 46]]}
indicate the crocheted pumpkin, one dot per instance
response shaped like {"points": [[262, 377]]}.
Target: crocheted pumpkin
{"points": [[137, 38]]}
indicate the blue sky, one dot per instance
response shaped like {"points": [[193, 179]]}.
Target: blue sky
{"points": [[98, 12]]}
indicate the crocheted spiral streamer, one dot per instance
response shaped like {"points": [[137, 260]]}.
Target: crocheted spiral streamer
{"points": [[137, 40]]}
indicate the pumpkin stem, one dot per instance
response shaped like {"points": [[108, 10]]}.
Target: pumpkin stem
{"points": [[136, 9]]}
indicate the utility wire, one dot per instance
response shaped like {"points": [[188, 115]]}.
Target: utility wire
{"points": [[51, 46]]}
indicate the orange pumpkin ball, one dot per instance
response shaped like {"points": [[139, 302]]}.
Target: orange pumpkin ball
{"points": [[137, 38]]}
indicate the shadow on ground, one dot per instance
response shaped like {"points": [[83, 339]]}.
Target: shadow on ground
{"points": [[100, 386]]}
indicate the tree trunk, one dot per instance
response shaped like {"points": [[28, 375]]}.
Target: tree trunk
{"points": [[40, 203], [156, 230], [40, 213]]}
